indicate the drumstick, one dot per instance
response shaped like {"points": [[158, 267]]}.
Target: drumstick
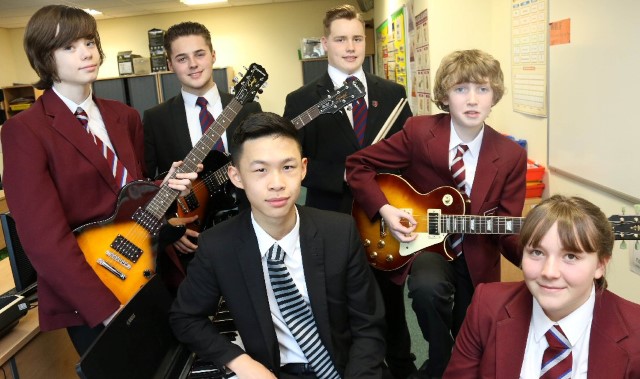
{"points": [[390, 120]]}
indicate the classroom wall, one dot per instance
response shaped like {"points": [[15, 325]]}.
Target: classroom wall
{"points": [[267, 34], [7, 72], [486, 25]]}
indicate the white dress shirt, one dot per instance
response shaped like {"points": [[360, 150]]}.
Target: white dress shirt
{"points": [[338, 77], [470, 158], [290, 351], [193, 113], [576, 326]]}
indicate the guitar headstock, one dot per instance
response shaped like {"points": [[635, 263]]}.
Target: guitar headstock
{"points": [[625, 227], [250, 84], [343, 96]]}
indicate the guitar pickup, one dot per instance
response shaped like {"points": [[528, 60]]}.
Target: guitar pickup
{"points": [[191, 201], [126, 248]]}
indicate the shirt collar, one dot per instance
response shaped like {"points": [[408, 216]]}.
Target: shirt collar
{"points": [[212, 96], [474, 146], [338, 77], [86, 105], [288, 243], [573, 326]]}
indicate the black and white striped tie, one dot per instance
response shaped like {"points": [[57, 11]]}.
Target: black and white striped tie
{"points": [[298, 316]]}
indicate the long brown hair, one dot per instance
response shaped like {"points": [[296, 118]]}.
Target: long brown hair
{"points": [[53, 27]]}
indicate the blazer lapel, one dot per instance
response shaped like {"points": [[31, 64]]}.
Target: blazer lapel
{"points": [[248, 255], [374, 97], [178, 125], [437, 149], [118, 132], [606, 332], [314, 272], [65, 123], [511, 335], [482, 183], [324, 87]]}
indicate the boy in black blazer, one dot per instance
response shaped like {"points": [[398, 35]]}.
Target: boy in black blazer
{"points": [[323, 255]]}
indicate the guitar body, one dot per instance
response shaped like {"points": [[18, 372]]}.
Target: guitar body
{"points": [[211, 192], [96, 240], [383, 251]]}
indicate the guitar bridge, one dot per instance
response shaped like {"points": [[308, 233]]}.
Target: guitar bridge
{"points": [[191, 201], [111, 269]]}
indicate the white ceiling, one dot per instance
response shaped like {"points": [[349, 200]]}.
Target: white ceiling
{"points": [[16, 13]]}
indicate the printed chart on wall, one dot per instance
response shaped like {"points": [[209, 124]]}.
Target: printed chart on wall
{"points": [[391, 51], [529, 19], [419, 64]]}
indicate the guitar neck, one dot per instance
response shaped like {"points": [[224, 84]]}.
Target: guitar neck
{"points": [[306, 117], [470, 224], [160, 203]]}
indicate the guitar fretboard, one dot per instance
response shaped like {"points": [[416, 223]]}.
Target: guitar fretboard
{"points": [[166, 195], [306, 117], [470, 224]]}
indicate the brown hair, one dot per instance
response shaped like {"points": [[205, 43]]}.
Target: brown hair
{"points": [[184, 29], [467, 66], [342, 11], [581, 227], [53, 27]]}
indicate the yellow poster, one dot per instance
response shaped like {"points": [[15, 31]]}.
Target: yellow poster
{"points": [[391, 61]]}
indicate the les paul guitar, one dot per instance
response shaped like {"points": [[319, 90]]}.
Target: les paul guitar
{"points": [[122, 249], [211, 191], [440, 213]]}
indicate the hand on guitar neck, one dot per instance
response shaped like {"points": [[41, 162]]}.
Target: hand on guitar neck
{"points": [[400, 223]]}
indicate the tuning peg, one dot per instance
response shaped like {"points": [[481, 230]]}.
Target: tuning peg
{"points": [[256, 98], [637, 208], [265, 85], [623, 245], [235, 80], [259, 91]]}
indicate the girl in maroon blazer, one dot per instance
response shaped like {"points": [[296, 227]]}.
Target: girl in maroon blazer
{"points": [[561, 321], [56, 177]]}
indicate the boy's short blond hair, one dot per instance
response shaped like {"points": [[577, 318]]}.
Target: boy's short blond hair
{"points": [[467, 66]]}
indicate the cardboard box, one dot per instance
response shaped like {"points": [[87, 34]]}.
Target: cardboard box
{"points": [[158, 61], [141, 65], [125, 62], [156, 37]]}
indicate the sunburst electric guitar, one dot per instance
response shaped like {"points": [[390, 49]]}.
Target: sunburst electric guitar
{"points": [[440, 213], [122, 249], [211, 192]]}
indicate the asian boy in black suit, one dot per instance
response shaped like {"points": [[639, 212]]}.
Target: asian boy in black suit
{"points": [[323, 255]]}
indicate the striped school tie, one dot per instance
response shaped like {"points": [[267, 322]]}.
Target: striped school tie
{"points": [[359, 116], [557, 360], [206, 120], [458, 173], [120, 173], [298, 316]]}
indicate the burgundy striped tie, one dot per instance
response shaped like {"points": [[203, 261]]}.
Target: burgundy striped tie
{"points": [[206, 120], [120, 173], [359, 116], [557, 360], [458, 173]]}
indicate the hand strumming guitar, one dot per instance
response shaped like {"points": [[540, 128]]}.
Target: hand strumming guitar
{"points": [[401, 223]]}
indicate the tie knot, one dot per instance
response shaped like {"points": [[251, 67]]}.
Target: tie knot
{"points": [[202, 102], [81, 115], [351, 78], [462, 148], [556, 338], [276, 253]]}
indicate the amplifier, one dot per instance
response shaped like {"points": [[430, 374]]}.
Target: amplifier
{"points": [[12, 308]]}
